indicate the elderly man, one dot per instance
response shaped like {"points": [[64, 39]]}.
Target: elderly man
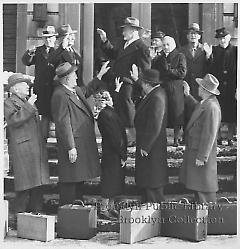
{"points": [[78, 158], [44, 74], [197, 61], [199, 169], [172, 66], [66, 52], [151, 140], [223, 65], [156, 44], [131, 50], [30, 164]]}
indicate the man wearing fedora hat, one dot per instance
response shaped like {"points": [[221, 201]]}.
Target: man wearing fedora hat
{"points": [[199, 168], [130, 50], [29, 155], [44, 73], [66, 52], [223, 65], [78, 158], [196, 58], [151, 140]]}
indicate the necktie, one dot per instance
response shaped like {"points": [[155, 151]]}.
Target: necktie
{"points": [[47, 49], [126, 44], [74, 92], [193, 51]]}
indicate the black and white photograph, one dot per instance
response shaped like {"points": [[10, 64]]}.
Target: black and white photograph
{"points": [[119, 124]]}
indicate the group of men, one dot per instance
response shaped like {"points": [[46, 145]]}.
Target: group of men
{"points": [[135, 108]]}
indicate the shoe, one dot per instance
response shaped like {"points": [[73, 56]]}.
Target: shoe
{"points": [[114, 213], [106, 215]]}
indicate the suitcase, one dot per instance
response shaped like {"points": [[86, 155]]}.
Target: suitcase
{"points": [[6, 206], [184, 220], [139, 223], [77, 221], [222, 217], [36, 227]]}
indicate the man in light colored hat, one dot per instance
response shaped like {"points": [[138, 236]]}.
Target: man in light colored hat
{"points": [[44, 73], [131, 50], [223, 65], [199, 169], [78, 158], [30, 162], [151, 139], [66, 51]]}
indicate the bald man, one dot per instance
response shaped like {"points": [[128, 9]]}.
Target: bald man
{"points": [[172, 66]]}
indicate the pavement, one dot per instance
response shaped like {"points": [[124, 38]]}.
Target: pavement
{"points": [[111, 240]]}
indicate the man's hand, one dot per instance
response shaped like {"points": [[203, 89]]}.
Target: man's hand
{"points": [[123, 163], [134, 72], [32, 50], [103, 70], [32, 99], [102, 34], [199, 163], [72, 154], [207, 49], [186, 89], [118, 84], [143, 152]]}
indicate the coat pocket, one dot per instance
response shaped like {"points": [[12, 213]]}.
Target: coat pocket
{"points": [[22, 139]]}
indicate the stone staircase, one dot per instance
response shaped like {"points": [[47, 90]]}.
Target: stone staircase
{"points": [[226, 161]]}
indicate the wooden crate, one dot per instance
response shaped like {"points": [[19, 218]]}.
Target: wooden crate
{"points": [[140, 223], [36, 227]]}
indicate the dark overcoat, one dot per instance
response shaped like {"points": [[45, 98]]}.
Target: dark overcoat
{"points": [[75, 129], [223, 65], [196, 67], [201, 143], [62, 55], [44, 74], [114, 148], [30, 162], [173, 69], [150, 123], [122, 60]]}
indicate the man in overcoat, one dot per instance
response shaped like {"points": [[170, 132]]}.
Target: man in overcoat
{"points": [[44, 74], [114, 154], [199, 169], [30, 162], [66, 51], [130, 50], [172, 66], [223, 65], [78, 158], [151, 141]]}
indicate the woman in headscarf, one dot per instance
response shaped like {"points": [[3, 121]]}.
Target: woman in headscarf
{"points": [[173, 68]]}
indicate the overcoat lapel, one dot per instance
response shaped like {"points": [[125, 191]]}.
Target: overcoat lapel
{"points": [[128, 50]]}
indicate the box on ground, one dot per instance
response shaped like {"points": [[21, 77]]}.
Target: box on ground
{"points": [[139, 223], [77, 221], [222, 217], [36, 227], [184, 220]]}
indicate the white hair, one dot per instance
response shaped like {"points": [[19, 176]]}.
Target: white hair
{"points": [[171, 42]]}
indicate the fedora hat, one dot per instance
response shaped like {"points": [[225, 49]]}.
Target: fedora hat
{"points": [[158, 34], [209, 83], [49, 31], [195, 28], [131, 22], [221, 32], [150, 76], [65, 29], [16, 78], [63, 70]]}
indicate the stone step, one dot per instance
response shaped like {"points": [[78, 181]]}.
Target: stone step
{"points": [[227, 183], [226, 165]]}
